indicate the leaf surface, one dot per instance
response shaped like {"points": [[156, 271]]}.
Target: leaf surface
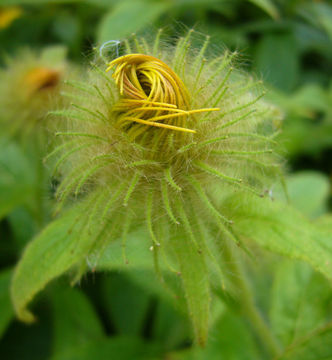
{"points": [[280, 228], [75, 319], [127, 17], [195, 279], [268, 6], [16, 177], [6, 312], [299, 301]]}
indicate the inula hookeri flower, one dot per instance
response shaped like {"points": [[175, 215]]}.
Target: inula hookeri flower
{"points": [[159, 138], [161, 125], [30, 87]]}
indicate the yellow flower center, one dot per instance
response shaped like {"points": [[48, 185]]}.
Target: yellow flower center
{"points": [[151, 94]]}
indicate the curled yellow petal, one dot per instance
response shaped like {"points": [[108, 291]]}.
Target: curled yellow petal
{"points": [[151, 94]]}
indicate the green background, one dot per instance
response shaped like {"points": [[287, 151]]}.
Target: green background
{"points": [[125, 314]]}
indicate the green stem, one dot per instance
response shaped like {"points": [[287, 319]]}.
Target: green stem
{"points": [[246, 300]]}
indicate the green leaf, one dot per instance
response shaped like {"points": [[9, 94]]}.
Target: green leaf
{"points": [[49, 255], [128, 17], [170, 327], [194, 274], [16, 177], [119, 348], [6, 312], [75, 320], [165, 290], [230, 338], [277, 60], [298, 303], [314, 346], [62, 245], [54, 54], [281, 229], [319, 14], [304, 102], [205, 3], [22, 225], [138, 254], [308, 192], [268, 6], [126, 303], [325, 224]]}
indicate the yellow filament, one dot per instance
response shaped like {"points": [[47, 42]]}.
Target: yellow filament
{"points": [[151, 92]]}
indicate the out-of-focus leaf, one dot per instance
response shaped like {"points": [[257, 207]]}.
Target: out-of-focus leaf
{"points": [[303, 102], [67, 28], [126, 303], [61, 246], [268, 6], [48, 256], [12, 195], [170, 327], [129, 296], [281, 229], [299, 301], [21, 342], [319, 14], [229, 339], [119, 348], [16, 177], [308, 192], [54, 54], [75, 320], [6, 309], [311, 96], [194, 274], [314, 346], [166, 290], [302, 137], [22, 225], [310, 38], [204, 3], [325, 223], [277, 60], [128, 17]]}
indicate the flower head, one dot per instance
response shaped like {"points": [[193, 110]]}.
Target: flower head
{"points": [[30, 86], [154, 142], [161, 143], [161, 139]]}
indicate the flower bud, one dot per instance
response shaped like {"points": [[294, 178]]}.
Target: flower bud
{"points": [[159, 138]]}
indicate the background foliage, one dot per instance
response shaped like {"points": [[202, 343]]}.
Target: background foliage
{"points": [[127, 314]]}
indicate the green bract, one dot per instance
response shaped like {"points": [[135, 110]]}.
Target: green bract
{"points": [[197, 134]]}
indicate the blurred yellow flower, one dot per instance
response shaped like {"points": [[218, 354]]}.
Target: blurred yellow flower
{"points": [[8, 15], [41, 78]]}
